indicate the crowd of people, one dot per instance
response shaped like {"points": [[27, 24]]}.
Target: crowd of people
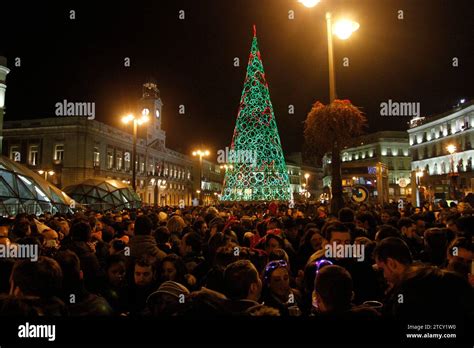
{"points": [[241, 260]]}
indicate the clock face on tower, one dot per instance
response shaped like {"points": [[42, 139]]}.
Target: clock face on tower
{"points": [[157, 112]]}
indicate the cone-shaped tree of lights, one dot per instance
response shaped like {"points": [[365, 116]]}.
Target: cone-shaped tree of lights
{"points": [[256, 169]]}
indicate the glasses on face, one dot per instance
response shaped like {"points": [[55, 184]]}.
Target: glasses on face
{"points": [[273, 265]]}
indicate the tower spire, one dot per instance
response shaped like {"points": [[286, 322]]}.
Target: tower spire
{"points": [[254, 30]]}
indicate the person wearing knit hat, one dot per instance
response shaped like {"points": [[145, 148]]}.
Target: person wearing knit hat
{"points": [[168, 300]]}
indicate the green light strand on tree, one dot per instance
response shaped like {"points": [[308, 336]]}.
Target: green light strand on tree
{"points": [[257, 171]]}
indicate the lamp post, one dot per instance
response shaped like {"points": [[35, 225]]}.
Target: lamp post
{"points": [[306, 176], [46, 173], [199, 194], [342, 29], [452, 150], [201, 154], [136, 122]]}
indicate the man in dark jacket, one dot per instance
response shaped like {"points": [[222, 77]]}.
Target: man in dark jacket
{"points": [[81, 236], [242, 286], [333, 294], [77, 299], [39, 284], [143, 243]]}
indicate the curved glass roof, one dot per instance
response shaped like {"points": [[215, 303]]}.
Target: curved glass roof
{"points": [[104, 194], [24, 191]]}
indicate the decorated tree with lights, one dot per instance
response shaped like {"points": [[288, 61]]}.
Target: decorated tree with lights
{"points": [[257, 170]]}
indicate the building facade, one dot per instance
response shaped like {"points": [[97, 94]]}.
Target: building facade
{"points": [[305, 180], [69, 150], [388, 150], [431, 140]]}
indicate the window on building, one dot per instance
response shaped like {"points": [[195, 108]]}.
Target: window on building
{"points": [[119, 161], [141, 164], [402, 191], [401, 164], [391, 191], [59, 152], [15, 154], [96, 157], [443, 168], [390, 164], [127, 161], [389, 151], [110, 159], [34, 155]]}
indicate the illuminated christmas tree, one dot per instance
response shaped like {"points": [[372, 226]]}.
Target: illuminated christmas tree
{"points": [[256, 169]]}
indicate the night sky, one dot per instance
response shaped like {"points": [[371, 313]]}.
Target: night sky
{"points": [[407, 60]]}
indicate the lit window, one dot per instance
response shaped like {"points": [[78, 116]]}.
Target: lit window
{"points": [[110, 160], [119, 161], [15, 154], [127, 160], [96, 157], [59, 152], [34, 155]]}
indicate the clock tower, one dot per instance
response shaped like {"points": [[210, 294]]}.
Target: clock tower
{"points": [[150, 105]]}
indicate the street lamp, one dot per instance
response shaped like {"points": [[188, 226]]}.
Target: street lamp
{"points": [[452, 149], [306, 176], [225, 166], [343, 29], [201, 154], [136, 122], [309, 3], [46, 173]]}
